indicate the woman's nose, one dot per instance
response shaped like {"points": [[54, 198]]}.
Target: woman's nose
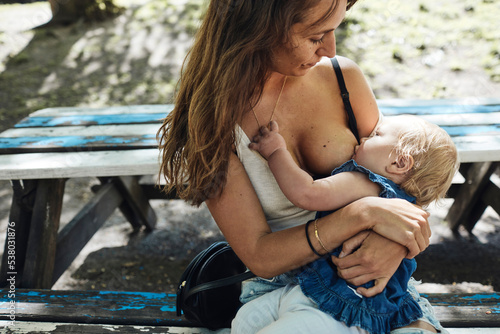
{"points": [[328, 48]]}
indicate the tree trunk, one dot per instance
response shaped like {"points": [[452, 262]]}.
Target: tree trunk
{"points": [[69, 11]]}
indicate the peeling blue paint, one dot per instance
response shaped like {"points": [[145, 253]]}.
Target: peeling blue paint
{"points": [[168, 309], [124, 308], [481, 297], [91, 120], [438, 109], [78, 141], [145, 295], [470, 130], [34, 293]]}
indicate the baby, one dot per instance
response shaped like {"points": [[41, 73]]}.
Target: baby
{"points": [[405, 157]]}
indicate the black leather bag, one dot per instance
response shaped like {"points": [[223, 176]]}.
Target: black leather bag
{"points": [[209, 289]]}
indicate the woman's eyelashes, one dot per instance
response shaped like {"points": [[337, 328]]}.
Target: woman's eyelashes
{"points": [[318, 41]]}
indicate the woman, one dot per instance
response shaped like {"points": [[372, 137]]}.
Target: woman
{"points": [[407, 157], [251, 62]]}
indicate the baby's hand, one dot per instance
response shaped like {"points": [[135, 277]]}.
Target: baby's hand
{"points": [[268, 140]]}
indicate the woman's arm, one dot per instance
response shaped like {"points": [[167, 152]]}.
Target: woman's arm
{"points": [[239, 215], [299, 187], [393, 218], [368, 256]]}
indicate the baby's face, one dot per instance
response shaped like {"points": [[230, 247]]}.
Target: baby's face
{"points": [[376, 152]]}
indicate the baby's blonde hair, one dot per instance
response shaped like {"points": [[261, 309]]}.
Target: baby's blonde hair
{"points": [[435, 160]]}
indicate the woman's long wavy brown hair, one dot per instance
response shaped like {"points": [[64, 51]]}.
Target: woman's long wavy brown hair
{"points": [[227, 66]]}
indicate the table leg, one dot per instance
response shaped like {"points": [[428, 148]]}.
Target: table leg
{"points": [[75, 235], [466, 210], [20, 214], [40, 254], [136, 207]]}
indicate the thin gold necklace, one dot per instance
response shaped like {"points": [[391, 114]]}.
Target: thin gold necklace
{"points": [[276, 105]]}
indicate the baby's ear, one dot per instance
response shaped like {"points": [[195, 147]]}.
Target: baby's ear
{"points": [[403, 164]]}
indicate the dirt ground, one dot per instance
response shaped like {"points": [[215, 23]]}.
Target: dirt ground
{"points": [[131, 60]]}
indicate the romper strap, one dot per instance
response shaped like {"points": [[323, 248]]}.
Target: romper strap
{"points": [[345, 97]]}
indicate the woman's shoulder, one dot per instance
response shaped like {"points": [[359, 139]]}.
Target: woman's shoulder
{"points": [[361, 95], [349, 68], [324, 73]]}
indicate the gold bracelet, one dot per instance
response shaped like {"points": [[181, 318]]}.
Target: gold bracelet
{"points": [[317, 236]]}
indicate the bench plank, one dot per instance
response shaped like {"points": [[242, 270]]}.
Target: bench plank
{"points": [[83, 131], [26, 327], [438, 102], [79, 164], [158, 309], [438, 106], [97, 307], [478, 149], [463, 119], [466, 130], [75, 143], [113, 110], [466, 310], [438, 109], [78, 120], [65, 328]]}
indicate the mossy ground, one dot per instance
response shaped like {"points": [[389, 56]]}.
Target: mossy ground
{"points": [[407, 49]]}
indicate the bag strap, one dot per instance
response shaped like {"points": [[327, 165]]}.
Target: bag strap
{"points": [[220, 283], [345, 97]]}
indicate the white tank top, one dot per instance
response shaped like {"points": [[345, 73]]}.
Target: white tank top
{"points": [[280, 212]]}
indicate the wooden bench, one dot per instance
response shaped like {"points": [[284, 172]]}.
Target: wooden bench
{"points": [[117, 145], [145, 312]]}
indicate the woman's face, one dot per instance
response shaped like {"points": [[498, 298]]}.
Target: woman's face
{"points": [[309, 42]]}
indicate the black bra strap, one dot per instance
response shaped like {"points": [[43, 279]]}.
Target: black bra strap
{"points": [[345, 97]]}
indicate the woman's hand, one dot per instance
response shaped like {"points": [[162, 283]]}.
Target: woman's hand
{"points": [[368, 256], [397, 220]]}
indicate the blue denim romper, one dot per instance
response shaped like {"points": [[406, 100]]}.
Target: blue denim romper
{"points": [[392, 308]]}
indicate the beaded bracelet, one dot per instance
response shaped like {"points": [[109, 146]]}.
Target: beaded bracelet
{"points": [[309, 240]]}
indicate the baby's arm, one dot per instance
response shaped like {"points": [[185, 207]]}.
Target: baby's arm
{"points": [[329, 193]]}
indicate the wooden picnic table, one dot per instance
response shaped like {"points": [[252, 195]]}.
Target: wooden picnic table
{"points": [[118, 145]]}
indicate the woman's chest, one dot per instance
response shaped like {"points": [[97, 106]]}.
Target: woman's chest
{"points": [[319, 141], [313, 122]]}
